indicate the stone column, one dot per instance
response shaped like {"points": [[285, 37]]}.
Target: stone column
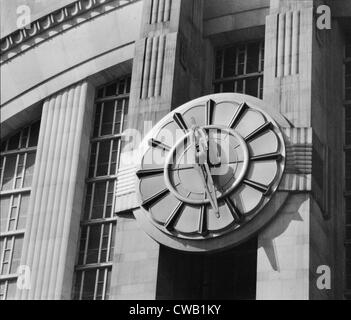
{"points": [[283, 261], [168, 70], [57, 193], [302, 64]]}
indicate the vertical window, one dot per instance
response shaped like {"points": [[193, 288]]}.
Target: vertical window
{"points": [[97, 232], [16, 171], [347, 97], [239, 68]]}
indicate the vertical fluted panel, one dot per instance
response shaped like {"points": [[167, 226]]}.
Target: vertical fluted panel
{"points": [[146, 69], [287, 43], [53, 192], [295, 42], [287, 49], [154, 53], [167, 12], [280, 45], [160, 11], [153, 66], [154, 10], [159, 68]]}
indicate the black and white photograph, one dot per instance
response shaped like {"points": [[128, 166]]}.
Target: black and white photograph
{"points": [[175, 154]]}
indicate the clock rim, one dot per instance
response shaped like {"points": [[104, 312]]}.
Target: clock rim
{"points": [[268, 209]]}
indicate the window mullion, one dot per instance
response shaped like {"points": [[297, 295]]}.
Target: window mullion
{"points": [[105, 283], [100, 242], [96, 284], [86, 246]]}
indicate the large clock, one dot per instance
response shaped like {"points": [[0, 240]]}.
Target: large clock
{"points": [[207, 170]]}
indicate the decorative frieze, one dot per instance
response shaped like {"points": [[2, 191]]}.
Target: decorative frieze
{"points": [[298, 167], [59, 20]]}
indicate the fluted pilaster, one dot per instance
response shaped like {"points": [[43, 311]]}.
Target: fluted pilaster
{"points": [[57, 193]]}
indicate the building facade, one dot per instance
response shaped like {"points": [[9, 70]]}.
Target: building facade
{"points": [[81, 76]]}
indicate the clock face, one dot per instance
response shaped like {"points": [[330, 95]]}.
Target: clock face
{"points": [[208, 168]]}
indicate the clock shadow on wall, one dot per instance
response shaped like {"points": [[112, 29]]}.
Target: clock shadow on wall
{"points": [[228, 275]]}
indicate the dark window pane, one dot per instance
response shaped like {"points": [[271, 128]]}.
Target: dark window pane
{"points": [[77, 285], [82, 244], [348, 81], [348, 51], [24, 137], [89, 285], [111, 90], [348, 68], [253, 51], [9, 172], [217, 88], [93, 244], [228, 86], [97, 120], [99, 200], [100, 93], [348, 233], [121, 87], [229, 62], [218, 64], [100, 284], [348, 94], [107, 118], [252, 87], [22, 215], [239, 86], [14, 141], [29, 170], [34, 134], [103, 159]]}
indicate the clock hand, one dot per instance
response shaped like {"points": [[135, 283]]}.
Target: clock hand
{"points": [[200, 149]]}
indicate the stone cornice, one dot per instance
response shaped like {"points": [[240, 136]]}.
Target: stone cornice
{"points": [[55, 23]]}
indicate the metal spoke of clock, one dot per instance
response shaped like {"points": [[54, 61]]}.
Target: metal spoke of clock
{"points": [[149, 172], [155, 198], [237, 215], [210, 108], [169, 224], [256, 185], [179, 120], [203, 220], [268, 156], [158, 144], [238, 114], [258, 131]]}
